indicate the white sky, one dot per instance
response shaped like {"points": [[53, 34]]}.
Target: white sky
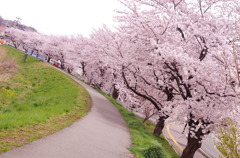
{"points": [[61, 17]]}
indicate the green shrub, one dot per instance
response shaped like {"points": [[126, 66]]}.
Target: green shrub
{"points": [[229, 141], [153, 152]]}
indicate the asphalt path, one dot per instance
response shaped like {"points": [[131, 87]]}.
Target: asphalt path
{"points": [[102, 133], [173, 133]]}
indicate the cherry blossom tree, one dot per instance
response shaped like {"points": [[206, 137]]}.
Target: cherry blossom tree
{"points": [[19, 38], [14, 35], [191, 36], [106, 48], [229, 136]]}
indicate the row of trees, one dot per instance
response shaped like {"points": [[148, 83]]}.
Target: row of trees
{"points": [[176, 57]]}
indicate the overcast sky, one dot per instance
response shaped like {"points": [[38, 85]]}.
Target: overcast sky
{"points": [[62, 17]]}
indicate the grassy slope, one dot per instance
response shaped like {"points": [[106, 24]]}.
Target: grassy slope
{"points": [[40, 101], [145, 143]]}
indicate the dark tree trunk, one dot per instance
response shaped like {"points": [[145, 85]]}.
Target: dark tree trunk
{"points": [[69, 70], [194, 143], [24, 58], [25, 49], [98, 86], [160, 125], [15, 45], [115, 93], [192, 146], [83, 64], [148, 117], [62, 66], [48, 60]]}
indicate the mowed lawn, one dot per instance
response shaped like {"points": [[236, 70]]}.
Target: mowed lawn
{"points": [[36, 101]]}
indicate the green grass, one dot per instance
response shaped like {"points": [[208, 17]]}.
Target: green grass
{"points": [[38, 100], [144, 143]]}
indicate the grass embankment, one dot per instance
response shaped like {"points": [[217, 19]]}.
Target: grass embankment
{"points": [[36, 101], [7, 66], [145, 143]]}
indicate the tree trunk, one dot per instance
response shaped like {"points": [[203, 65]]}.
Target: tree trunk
{"points": [[62, 66], [160, 125], [148, 117], [48, 60], [192, 146], [69, 70], [15, 45], [115, 92], [98, 86], [83, 64], [24, 58]]}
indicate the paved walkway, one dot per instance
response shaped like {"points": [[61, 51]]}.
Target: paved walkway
{"points": [[102, 133], [173, 133], [208, 150]]}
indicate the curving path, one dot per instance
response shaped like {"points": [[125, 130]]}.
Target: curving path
{"points": [[102, 133], [173, 133]]}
